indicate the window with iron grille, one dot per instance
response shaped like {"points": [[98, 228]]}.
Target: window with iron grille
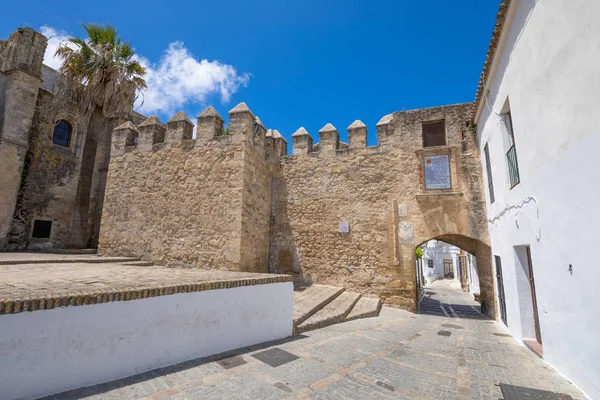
{"points": [[430, 263], [511, 154], [434, 133], [488, 168]]}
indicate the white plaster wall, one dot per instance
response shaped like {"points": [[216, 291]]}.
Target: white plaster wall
{"points": [[50, 351], [550, 69], [473, 274]]}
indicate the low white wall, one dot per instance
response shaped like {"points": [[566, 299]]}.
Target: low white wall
{"points": [[51, 351]]}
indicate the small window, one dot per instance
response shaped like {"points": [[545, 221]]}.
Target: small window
{"points": [[434, 133], [430, 263], [488, 168], [511, 154], [41, 229], [62, 133]]}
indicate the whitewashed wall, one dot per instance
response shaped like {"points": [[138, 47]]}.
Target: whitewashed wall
{"points": [[50, 351], [549, 68], [438, 251]]}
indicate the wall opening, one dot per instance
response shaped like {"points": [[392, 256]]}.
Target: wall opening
{"points": [[434, 133], [450, 279], [41, 229]]}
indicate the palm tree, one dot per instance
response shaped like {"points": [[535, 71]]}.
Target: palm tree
{"points": [[100, 71]]}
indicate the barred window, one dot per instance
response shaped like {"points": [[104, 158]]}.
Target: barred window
{"points": [[511, 154], [434, 133]]}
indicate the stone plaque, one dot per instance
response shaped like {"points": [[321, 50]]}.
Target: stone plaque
{"points": [[406, 234], [437, 171], [344, 227], [402, 210]]}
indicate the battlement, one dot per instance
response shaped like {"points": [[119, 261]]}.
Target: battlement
{"points": [[152, 135], [402, 129]]}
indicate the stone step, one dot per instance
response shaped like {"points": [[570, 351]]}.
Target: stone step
{"points": [[333, 313], [365, 308], [308, 300], [139, 263], [69, 251]]}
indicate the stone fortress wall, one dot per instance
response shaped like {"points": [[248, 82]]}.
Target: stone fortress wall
{"points": [[201, 202], [379, 192], [239, 202]]}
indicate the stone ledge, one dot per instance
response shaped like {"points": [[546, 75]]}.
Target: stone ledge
{"points": [[439, 195], [15, 306]]}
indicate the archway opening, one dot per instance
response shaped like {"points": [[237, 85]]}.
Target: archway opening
{"points": [[454, 277]]}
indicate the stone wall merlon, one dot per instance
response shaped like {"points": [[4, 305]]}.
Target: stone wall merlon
{"points": [[179, 128], [329, 139], [151, 132], [123, 136], [302, 142], [210, 125], [357, 134]]}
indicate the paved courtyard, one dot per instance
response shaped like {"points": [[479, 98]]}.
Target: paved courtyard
{"points": [[397, 355]]}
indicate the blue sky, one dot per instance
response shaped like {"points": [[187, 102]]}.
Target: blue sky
{"points": [[294, 62]]}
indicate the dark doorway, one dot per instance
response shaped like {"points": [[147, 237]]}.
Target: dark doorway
{"points": [[536, 319], [501, 296], [448, 269]]}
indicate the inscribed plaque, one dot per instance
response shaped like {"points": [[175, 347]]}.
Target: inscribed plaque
{"points": [[437, 171]]}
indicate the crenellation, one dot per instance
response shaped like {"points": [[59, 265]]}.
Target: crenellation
{"points": [[329, 139], [123, 136], [151, 132], [302, 142], [179, 128], [209, 126], [241, 123], [357, 134], [384, 128]]}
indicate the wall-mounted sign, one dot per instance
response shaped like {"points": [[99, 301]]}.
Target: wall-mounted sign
{"points": [[344, 227], [437, 171]]}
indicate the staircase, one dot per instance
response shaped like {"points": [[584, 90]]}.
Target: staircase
{"points": [[318, 306]]}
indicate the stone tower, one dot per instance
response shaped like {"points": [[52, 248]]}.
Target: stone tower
{"points": [[21, 59]]}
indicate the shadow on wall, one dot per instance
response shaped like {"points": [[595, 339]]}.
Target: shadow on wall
{"points": [[284, 257]]}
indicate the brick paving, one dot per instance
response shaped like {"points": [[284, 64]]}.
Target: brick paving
{"points": [[397, 355]]}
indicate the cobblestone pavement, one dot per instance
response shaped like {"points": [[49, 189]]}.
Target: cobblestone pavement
{"points": [[445, 298], [397, 355]]}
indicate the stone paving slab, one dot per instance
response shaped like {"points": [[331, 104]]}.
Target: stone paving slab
{"points": [[333, 313], [46, 258], [30, 287], [396, 355], [308, 300]]}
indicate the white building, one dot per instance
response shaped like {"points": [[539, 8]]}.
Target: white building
{"points": [[538, 124], [445, 261]]}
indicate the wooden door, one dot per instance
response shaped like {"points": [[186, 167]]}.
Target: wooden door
{"points": [[536, 318]]}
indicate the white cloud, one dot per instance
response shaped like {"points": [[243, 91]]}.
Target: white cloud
{"points": [[177, 80], [55, 38]]}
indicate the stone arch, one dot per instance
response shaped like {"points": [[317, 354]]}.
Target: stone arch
{"points": [[483, 254]]}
